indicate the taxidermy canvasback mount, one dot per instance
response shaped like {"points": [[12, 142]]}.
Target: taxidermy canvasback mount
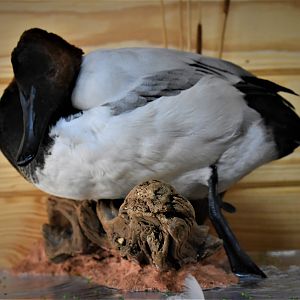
{"points": [[94, 126]]}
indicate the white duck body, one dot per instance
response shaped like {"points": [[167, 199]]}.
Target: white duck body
{"points": [[116, 142]]}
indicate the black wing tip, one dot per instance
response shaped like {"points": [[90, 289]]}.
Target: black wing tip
{"points": [[287, 90], [269, 85]]}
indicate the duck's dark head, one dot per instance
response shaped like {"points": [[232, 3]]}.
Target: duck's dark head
{"points": [[45, 68]]}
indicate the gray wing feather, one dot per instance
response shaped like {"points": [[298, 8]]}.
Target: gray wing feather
{"points": [[164, 83], [169, 83]]}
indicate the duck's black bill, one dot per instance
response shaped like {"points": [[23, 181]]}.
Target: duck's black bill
{"points": [[32, 132]]}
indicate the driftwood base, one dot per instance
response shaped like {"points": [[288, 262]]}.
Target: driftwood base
{"points": [[154, 225], [149, 241]]}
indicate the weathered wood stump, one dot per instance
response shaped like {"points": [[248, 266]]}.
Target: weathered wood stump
{"points": [[153, 225]]}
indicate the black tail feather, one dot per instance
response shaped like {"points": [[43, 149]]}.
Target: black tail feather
{"points": [[278, 114], [268, 85]]}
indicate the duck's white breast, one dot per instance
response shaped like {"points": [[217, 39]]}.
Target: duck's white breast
{"points": [[175, 139]]}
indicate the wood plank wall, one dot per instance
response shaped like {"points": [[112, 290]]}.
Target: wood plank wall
{"points": [[261, 35]]}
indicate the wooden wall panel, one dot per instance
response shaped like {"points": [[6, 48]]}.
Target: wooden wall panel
{"points": [[261, 35], [21, 218], [266, 217], [263, 26]]}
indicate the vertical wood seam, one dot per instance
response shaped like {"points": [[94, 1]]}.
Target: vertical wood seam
{"points": [[226, 7], [164, 25]]}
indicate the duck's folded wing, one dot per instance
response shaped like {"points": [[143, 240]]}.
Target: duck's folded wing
{"points": [[150, 88], [125, 79], [142, 74]]}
